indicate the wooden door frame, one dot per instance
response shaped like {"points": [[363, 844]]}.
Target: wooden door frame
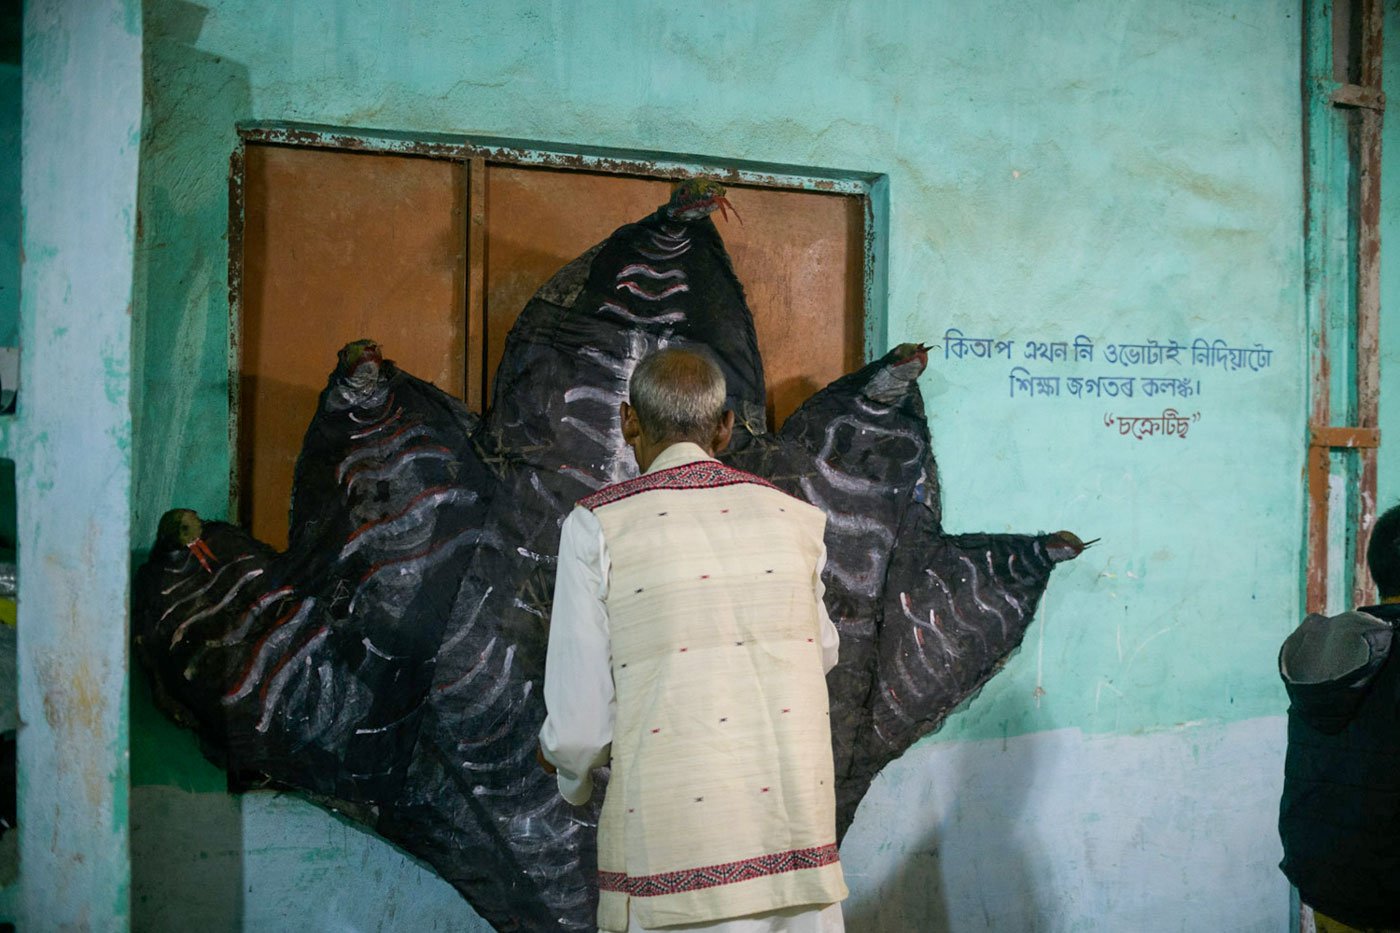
{"points": [[476, 153], [1341, 75]]}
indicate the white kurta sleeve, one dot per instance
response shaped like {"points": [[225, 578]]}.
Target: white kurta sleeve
{"points": [[830, 638], [578, 686]]}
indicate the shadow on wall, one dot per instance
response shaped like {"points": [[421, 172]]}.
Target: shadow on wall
{"points": [[960, 877], [186, 828], [187, 842], [186, 860], [194, 102], [914, 894]]}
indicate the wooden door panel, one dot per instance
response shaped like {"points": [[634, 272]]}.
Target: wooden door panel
{"points": [[800, 256], [537, 220], [339, 246]]}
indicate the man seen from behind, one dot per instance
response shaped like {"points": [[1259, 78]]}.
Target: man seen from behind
{"points": [[688, 648]]}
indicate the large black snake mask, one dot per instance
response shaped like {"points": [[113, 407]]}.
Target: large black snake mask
{"points": [[389, 662]]}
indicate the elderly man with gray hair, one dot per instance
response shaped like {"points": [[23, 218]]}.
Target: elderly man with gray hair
{"points": [[688, 648]]}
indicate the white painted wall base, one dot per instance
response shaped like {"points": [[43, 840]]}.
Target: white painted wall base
{"points": [[1059, 831], [1055, 831]]}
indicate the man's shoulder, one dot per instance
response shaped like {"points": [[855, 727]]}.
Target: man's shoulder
{"points": [[702, 474], [1335, 649], [1386, 612]]}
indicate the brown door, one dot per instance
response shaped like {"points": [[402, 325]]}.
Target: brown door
{"points": [[800, 255], [339, 246]]}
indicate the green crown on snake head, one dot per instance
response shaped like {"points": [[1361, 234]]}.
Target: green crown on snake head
{"points": [[179, 528], [357, 352]]}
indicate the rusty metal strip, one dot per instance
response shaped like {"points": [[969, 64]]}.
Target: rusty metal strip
{"points": [[1355, 95], [476, 285], [1318, 468], [1345, 438], [875, 270], [560, 156], [238, 465], [1368, 289], [320, 136], [1368, 272], [1372, 40]]}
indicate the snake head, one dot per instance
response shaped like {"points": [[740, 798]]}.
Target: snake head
{"points": [[179, 528], [907, 353], [897, 372], [1066, 545], [182, 528], [359, 353], [694, 198], [360, 362]]}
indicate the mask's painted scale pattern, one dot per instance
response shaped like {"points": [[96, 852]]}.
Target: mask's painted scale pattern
{"points": [[389, 662]]}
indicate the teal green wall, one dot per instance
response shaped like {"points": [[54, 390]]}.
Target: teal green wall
{"points": [[9, 203], [1128, 171]]}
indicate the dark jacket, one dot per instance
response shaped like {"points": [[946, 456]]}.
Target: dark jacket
{"points": [[1340, 814]]}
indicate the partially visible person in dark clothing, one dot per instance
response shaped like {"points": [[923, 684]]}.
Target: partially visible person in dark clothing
{"points": [[1340, 814]]}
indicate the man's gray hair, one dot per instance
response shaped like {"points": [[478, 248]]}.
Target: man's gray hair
{"points": [[678, 395]]}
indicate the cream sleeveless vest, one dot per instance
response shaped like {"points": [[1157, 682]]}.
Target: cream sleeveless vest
{"points": [[720, 803]]}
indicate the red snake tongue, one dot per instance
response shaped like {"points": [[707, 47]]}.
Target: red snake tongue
{"points": [[725, 207], [201, 553]]}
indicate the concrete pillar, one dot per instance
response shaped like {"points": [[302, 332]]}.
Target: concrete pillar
{"points": [[72, 446]]}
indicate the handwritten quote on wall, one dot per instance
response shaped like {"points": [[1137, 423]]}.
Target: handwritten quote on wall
{"points": [[1168, 370]]}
